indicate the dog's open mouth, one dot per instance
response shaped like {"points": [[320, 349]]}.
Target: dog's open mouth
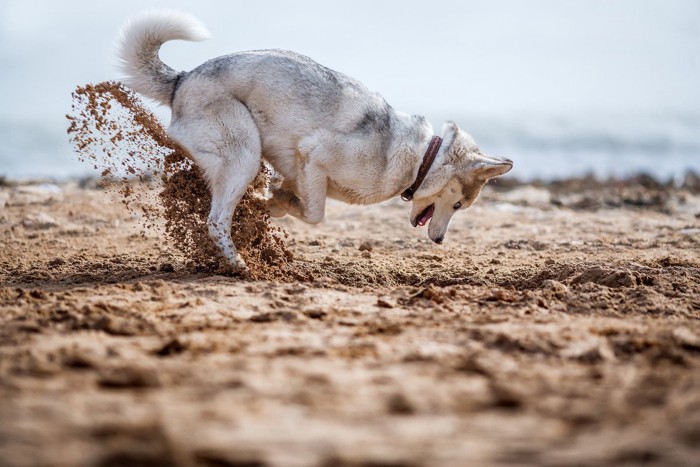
{"points": [[425, 215]]}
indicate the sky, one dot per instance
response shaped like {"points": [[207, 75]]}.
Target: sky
{"points": [[486, 57], [497, 59]]}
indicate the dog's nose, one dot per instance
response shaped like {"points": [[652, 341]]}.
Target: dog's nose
{"points": [[439, 240]]}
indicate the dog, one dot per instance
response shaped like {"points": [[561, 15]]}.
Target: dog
{"points": [[324, 133]]}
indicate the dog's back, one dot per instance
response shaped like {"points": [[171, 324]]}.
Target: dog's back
{"points": [[286, 92]]}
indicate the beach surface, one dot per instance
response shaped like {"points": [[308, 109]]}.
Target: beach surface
{"points": [[558, 324]]}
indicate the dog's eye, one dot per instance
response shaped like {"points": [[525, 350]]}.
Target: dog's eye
{"points": [[458, 205]]}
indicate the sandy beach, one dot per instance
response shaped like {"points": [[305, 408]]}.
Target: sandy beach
{"points": [[558, 325]]}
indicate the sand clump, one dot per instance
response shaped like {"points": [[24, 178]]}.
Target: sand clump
{"points": [[111, 128]]}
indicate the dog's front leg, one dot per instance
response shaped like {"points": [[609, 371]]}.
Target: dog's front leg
{"points": [[312, 188]]}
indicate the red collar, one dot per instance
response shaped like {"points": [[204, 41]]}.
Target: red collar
{"points": [[428, 159]]}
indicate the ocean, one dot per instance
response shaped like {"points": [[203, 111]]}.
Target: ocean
{"points": [[664, 146]]}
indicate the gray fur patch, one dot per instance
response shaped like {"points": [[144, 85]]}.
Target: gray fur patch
{"points": [[375, 119], [176, 85]]}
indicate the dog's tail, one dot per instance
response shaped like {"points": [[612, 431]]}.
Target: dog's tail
{"points": [[138, 45]]}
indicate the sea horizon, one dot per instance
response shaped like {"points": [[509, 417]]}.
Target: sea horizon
{"points": [[664, 146]]}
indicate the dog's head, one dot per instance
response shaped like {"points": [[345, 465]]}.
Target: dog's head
{"points": [[454, 181]]}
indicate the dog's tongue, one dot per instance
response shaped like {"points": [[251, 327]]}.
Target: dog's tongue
{"points": [[426, 216]]}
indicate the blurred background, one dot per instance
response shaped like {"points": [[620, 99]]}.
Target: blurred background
{"points": [[563, 87]]}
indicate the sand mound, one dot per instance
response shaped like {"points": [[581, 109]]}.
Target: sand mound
{"points": [[110, 128]]}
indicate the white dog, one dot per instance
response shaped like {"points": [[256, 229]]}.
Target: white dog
{"points": [[325, 133]]}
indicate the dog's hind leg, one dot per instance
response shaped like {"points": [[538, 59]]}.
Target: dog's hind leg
{"points": [[225, 143]]}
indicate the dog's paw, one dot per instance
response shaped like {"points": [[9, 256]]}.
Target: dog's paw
{"points": [[234, 267], [238, 264], [276, 208], [280, 202], [232, 264]]}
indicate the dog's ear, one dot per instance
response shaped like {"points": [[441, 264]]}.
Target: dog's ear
{"points": [[488, 167], [457, 145], [449, 133]]}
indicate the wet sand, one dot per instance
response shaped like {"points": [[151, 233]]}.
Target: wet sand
{"points": [[558, 324]]}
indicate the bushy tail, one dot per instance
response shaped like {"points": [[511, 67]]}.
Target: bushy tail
{"points": [[138, 45]]}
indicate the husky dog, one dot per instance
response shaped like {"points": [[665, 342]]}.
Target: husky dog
{"points": [[324, 133]]}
